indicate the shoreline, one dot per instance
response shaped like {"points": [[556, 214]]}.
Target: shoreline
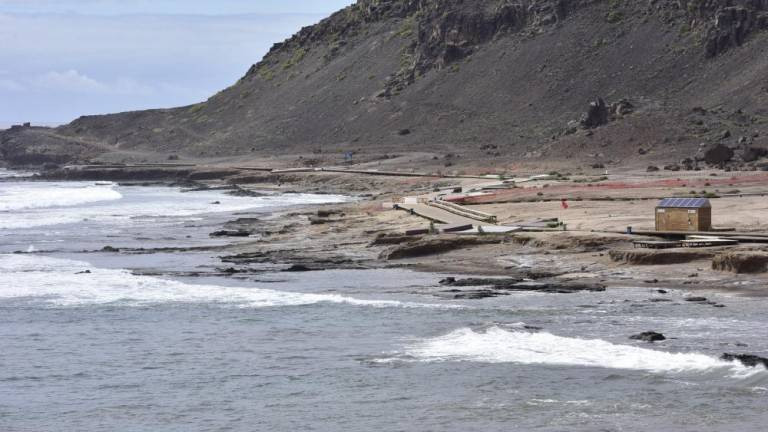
{"points": [[365, 235]]}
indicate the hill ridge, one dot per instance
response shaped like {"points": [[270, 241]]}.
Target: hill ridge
{"points": [[490, 81]]}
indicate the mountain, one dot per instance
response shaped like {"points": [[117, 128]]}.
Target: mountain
{"points": [[494, 82]]}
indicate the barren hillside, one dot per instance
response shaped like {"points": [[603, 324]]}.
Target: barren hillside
{"points": [[482, 82]]}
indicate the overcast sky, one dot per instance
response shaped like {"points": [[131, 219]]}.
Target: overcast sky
{"points": [[60, 59]]}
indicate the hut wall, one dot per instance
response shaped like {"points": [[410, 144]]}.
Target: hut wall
{"points": [[683, 219]]}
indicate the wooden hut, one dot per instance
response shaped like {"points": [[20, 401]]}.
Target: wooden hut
{"points": [[684, 214]]}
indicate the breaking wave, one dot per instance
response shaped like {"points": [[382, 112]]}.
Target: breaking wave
{"points": [[21, 196], [71, 283], [28, 205], [496, 345]]}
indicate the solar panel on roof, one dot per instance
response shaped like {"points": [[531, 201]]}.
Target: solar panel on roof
{"points": [[684, 203]]}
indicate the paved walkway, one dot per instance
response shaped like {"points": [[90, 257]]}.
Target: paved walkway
{"points": [[439, 215]]}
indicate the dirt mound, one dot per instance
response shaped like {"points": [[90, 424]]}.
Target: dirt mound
{"points": [[741, 262]]}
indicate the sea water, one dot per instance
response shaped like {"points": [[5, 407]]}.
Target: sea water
{"points": [[90, 343]]}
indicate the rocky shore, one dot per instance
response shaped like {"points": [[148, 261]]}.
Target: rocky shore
{"points": [[365, 234]]}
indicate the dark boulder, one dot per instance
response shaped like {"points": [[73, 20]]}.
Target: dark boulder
{"points": [[649, 336], [746, 359], [298, 268], [596, 115], [751, 154], [717, 154]]}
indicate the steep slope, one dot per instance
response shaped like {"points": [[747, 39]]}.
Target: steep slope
{"points": [[495, 81]]}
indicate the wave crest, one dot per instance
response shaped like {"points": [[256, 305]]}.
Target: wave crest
{"points": [[496, 345], [63, 283], [22, 196]]}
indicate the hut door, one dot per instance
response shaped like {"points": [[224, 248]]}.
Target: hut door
{"points": [[692, 220]]}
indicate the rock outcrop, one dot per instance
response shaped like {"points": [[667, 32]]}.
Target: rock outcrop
{"points": [[741, 262], [746, 359], [596, 115], [499, 287], [436, 245], [649, 336], [658, 257], [734, 21]]}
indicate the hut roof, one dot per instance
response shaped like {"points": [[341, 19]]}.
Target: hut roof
{"points": [[684, 203]]}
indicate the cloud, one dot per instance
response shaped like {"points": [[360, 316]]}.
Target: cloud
{"points": [[71, 64], [76, 82], [68, 81]]}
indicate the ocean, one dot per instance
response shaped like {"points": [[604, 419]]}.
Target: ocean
{"points": [[97, 340]]}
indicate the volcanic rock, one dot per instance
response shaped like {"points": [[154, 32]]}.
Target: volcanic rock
{"points": [[596, 115], [436, 245], [230, 233], [298, 268], [717, 154], [649, 336], [741, 262], [746, 359], [622, 108]]}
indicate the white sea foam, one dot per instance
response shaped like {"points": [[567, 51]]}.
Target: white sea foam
{"points": [[27, 205], [496, 345], [60, 282], [4, 173], [21, 196]]}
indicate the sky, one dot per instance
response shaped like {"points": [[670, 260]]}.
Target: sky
{"points": [[60, 59]]}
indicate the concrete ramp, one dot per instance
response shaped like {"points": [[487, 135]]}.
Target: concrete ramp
{"points": [[436, 214]]}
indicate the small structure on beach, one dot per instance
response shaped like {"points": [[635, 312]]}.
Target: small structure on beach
{"points": [[684, 214]]}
